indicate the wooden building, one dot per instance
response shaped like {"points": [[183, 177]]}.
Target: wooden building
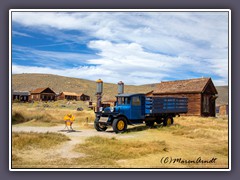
{"points": [[21, 96], [84, 97], [201, 94], [73, 96], [68, 96], [42, 94], [222, 110], [108, 103]]}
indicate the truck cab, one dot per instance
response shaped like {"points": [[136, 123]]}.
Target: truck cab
{"points": [[129, 109], [131, 105]]}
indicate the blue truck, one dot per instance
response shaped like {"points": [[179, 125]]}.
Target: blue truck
{"points": [[135, 108]]}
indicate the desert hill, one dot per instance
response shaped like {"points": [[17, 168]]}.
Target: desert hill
{"points": [[222, 95], [28, 82]]}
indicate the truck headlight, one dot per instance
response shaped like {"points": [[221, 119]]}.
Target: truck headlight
{"points": [[112, 109]]}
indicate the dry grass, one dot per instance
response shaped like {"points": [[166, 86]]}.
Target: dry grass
{"points": [[189, 138], [25, 114], [32, 140], [103, 151], [35, 144], [141, 147]]}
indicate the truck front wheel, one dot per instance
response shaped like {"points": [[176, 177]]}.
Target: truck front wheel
{"points": [[119, 125], [168, 121], [98, 126]]}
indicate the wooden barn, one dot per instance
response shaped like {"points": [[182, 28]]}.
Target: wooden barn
{"points": [[201, 94], [22, 96], [42, 94]]}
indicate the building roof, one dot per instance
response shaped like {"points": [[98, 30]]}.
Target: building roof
{"points": [[183, 86], [129, 94], [21, 93], [71, 94], [40, 90]]}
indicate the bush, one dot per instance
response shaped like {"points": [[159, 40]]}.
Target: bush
{"points": [[17, 117]]}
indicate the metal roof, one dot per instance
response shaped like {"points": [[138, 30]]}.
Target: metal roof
{"points": [[21, 93], [130, 94]]}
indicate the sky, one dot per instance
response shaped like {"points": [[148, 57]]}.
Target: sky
{"points": [[134, 47]]}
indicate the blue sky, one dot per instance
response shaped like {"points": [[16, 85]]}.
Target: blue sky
{"points": [[135, 47]]}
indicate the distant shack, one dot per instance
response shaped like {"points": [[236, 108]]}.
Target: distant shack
{"points": [[21, 96], [222, 110], [109, 103], [201, 94], [73, 96]]}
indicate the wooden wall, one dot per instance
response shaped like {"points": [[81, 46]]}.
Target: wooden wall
{"points": [[223, 110], [39, 97]]}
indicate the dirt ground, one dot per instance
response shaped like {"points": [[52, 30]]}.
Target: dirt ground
{"points": [[64, 150], [189, 139]]}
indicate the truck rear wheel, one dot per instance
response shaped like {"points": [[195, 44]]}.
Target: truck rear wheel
{"points": [[119, 125], [168, 121], [98, 126]]}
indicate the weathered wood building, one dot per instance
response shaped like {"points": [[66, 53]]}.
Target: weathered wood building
{"points": [[222, 110], [22, 96], [73, 96], [68, 96], [42, 94], [201, 94], [108, 103], [84, 97]]}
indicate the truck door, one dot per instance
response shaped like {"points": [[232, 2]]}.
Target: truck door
{"points": [[136, 108]]}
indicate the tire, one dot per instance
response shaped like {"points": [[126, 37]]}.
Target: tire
{"points": [[168, 121], [119, 125], [149, 123], [99, 127]]}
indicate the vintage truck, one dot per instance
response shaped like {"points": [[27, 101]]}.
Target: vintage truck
{"points": [[133, 109]]}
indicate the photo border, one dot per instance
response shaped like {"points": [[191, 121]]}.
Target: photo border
{"points": [[119, 10]]}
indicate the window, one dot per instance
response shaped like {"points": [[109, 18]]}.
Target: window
{"points": [[136, 101], [126, 100], [123, 100]]}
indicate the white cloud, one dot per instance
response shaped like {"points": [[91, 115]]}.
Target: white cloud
{"points": [[142, 47], [16, 33]]}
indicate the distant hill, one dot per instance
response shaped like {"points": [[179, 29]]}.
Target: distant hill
{"points": [[28, 82], [222, 95]]}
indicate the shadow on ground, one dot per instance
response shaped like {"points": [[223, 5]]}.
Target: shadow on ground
{"points": [[136, 128], [69, 131]]}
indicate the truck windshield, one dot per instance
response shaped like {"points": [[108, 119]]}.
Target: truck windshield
{"points": [[123, 100]]}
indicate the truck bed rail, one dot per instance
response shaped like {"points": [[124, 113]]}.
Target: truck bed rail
{"points": [[155, 105]]}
